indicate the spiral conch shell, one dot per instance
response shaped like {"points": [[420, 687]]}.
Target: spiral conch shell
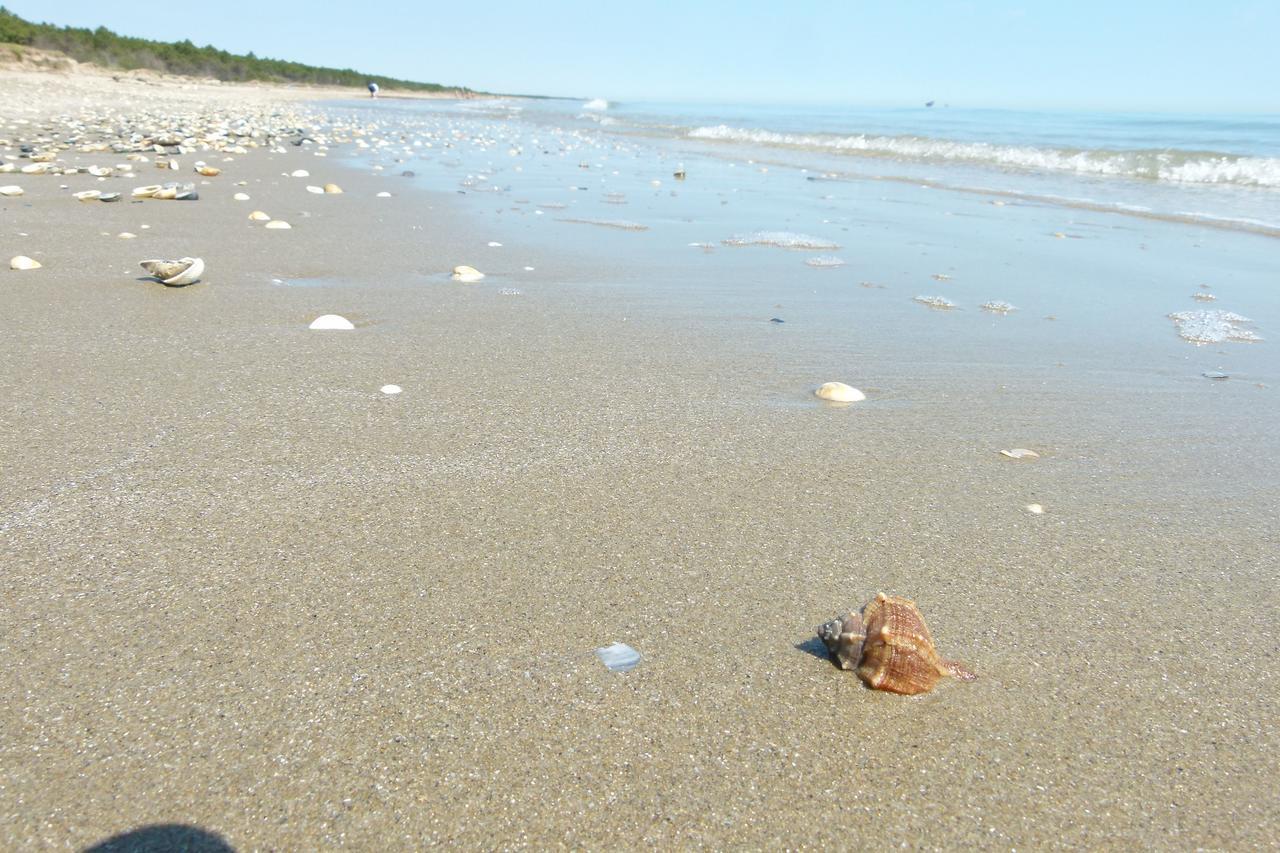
{"points": [[889, 646]]}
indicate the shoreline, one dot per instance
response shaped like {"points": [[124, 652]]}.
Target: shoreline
{"points": [[253, 594]]}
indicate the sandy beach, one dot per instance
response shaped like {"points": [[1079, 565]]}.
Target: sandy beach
{"points": [[248, 592]]}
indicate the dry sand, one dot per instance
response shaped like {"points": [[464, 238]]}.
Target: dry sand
{"points": [[246, 592]]}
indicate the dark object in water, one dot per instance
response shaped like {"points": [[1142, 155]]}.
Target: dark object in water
{"points": [[928, 103], [776, 320], [406, 174]]}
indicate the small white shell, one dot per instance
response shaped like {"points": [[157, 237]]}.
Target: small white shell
{"points": [[241, 196], [260, 216], [331, 321], [177, 273], [1035, 509], [300, 173], [332, 189], [88, 195], [1020, 453], [838, 392], [315, 189], [147, 191], [11, 190], [467, 274], [278, 224], [619, 657], [390, 389], [22, 262], [384, 195]]}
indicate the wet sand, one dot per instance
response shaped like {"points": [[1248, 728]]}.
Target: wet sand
{"points": [[249, 593]]}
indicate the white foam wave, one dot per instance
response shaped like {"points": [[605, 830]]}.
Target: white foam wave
{"points": [[825, 262], [1154, 164], [781, 239], [596, 104]]}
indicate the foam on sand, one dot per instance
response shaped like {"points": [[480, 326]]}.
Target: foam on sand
{"points": [[780, 239], [1213, 327]]}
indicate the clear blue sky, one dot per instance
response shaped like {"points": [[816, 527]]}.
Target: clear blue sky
{"points": [[1175, 55]]}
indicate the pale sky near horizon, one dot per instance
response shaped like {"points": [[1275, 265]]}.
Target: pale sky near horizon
{"points": [[1160, 56]]}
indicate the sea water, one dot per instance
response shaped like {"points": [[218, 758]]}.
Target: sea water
{"points": [[851, 223]]}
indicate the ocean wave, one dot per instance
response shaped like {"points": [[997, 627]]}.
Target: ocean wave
{"points": [[1195, 167], [596, 104]]}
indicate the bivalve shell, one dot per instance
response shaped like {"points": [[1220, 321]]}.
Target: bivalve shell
{"points": [[467, 274], [278, 225], [177, 273], [260, 216], [11, 190], [331, 321], [208, 171], [838, 392], [22, 262], [332, 189]]}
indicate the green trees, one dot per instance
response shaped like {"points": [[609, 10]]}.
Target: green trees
{"points": [[103, 47]]}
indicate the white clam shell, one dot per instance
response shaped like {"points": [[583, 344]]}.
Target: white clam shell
{"points": [[241, 196], [390, 389], [619, 657], [838, 392], [22, 262], [11, 190], [1020, 453], [260, 216], [300, 173], [311, 188], [331, 321], [88, 195], [332, 189], [467, 274], [278, 225], [177, 273]]}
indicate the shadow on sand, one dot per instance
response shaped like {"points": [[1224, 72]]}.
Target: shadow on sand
{"points": [[163, 838]]}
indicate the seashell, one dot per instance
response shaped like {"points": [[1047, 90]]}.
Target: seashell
{"points": [[1020, 453], [177, 273], [127, 235], [331, 321], [619, 657], [35, 169], [88, 195], [11, 190], [22, 262], [109, 197], [147, 192], [8, 167], [467, 274], [278, 225], [390, 389], [332, 189], [241, 196], [259, 216], [315, 189], [1035, 509], [101, 171], [208, 171], [384, 195], [166, 193], [889, 647], [838, 392], [299, 173]]}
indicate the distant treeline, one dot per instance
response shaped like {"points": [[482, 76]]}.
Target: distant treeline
{"points": [[103, 47]]}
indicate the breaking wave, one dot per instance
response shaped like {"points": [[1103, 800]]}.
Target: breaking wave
{"points": [[1193, 167]]}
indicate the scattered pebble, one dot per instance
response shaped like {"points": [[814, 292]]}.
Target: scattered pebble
{"points": [[619, 657], [331, 321]]}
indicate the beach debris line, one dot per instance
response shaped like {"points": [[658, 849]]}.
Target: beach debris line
{"points": [[1020, 453], [171, 190], [22, 262], [331, 321], [838, 392], [889, 647], [467, 274], [177, 273], [619, 657]]}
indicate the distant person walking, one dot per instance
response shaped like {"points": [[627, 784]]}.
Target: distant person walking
{"points": [[373, 90]]}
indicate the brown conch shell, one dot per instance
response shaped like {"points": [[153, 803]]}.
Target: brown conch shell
{"points": [[889, 646]]}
